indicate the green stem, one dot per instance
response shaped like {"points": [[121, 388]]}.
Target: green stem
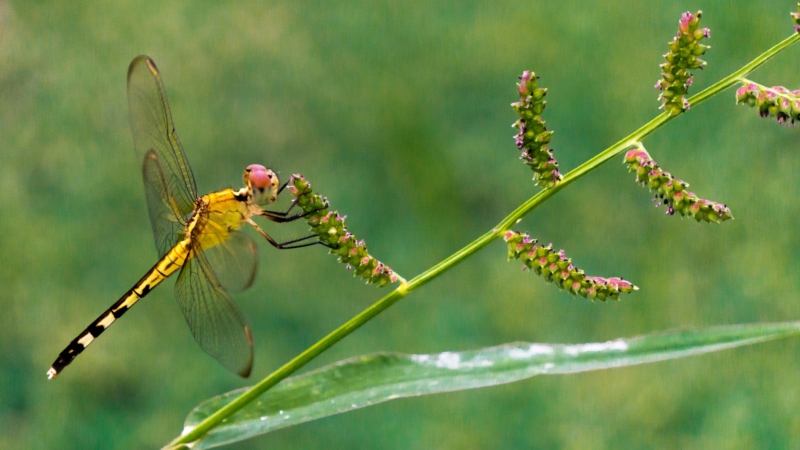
{"points": [[428, 275]]}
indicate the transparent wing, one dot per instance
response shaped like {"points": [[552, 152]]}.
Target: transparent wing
{"points": [[216, 322], [166, 218], [234, 261], [154, 134]]}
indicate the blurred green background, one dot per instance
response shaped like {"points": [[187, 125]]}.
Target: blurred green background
{"points": [[398, 113]]}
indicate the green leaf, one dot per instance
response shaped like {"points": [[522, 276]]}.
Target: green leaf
{"points": [[370, 379]]}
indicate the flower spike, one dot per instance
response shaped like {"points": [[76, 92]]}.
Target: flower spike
{"points": [[557, 268], [796, 19], [776, 101], [329, 227], [672, 191], [681, 58], [533, 136]]}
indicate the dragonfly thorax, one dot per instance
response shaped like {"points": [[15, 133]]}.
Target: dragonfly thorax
{"points": [[262, 183]]}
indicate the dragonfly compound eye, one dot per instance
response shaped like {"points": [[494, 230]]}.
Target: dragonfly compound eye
{"points": [[263, 182]]}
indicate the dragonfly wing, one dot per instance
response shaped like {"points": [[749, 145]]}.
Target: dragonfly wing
{"points": [[154, 134], [167, 219], [216, 322], [234, 261]]}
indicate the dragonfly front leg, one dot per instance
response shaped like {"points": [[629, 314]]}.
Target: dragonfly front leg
{"points": [[294, 243], [282, 213], [281, 217], [283, 187], [267, 213]]}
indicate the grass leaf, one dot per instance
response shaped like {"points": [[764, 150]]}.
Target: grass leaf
{"points": [[369, 379]]}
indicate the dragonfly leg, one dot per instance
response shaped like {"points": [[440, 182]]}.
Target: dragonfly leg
{"points": [[267, 213], [283, 187], [294, 243], [273, 215], [280, 213], [284, 213], [280, 217]]}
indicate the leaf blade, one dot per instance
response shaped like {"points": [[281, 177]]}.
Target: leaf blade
{"points": [[370, 379]]}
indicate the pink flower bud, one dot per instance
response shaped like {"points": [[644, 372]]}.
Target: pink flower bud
{"points": [[672, 191], [558, 268], [683, 54], [532, 136], [777, 101], [330, 228]]}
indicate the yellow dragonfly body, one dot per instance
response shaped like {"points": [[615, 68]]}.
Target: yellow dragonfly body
{"points": [[197, 235]]}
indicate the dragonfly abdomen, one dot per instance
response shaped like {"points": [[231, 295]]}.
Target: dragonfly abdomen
{"points": [[172, 261]]}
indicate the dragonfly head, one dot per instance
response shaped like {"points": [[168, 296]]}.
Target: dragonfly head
{"points": [[263, 183]]}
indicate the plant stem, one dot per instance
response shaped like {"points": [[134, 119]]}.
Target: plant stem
{"points": [[405, 288]]}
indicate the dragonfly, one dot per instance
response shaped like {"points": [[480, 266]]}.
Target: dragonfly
{"points": [[196, 236]]}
